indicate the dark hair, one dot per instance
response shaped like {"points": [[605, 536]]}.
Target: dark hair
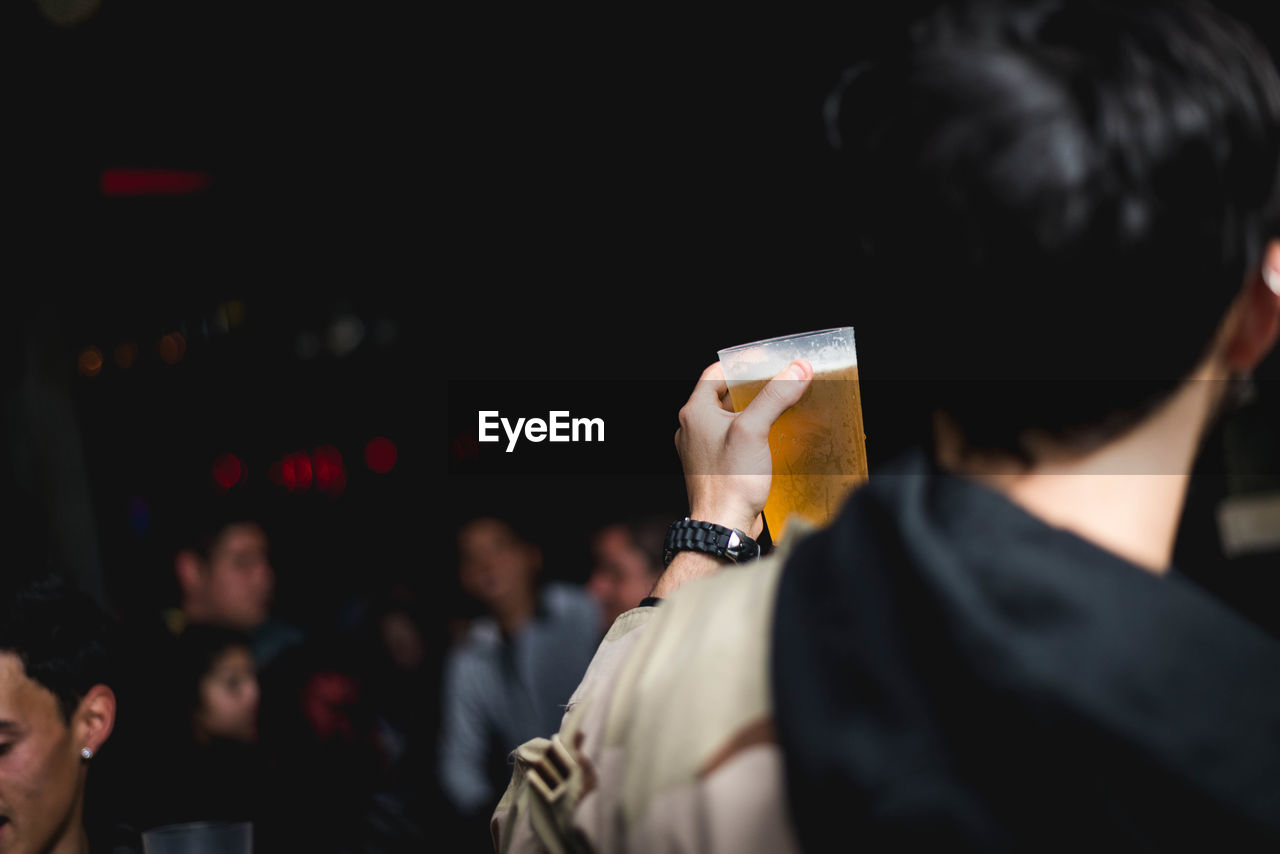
{"points": [[523, 526], [204, 540], [1056, 202], [61, 636], [198, 522]]}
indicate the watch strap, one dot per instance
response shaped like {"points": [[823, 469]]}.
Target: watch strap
{"points": [[731, 544]]}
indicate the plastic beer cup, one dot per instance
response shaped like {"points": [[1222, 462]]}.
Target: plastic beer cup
{"points": [[818, 446]]}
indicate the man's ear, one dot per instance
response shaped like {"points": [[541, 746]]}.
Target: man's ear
{"points": [[186, 566], [94, 718], [1254, 321]]}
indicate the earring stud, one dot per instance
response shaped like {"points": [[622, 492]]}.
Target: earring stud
{"points": [[86, 753], [1272, 278]]}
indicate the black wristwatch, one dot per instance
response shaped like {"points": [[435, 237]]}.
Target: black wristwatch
{"points": [[729, 544]]}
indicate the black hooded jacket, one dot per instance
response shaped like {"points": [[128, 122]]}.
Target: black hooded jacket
{"points": [[950, 670]]}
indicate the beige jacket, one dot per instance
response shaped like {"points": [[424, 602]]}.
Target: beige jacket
{"points": [[668, 743]]}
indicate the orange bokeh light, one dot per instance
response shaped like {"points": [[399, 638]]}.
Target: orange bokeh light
{"points": [[172, 348], [89, 364]]}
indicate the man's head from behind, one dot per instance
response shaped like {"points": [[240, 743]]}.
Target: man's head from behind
{"points": [[225, 576], [55, 703], [1059, 202]]}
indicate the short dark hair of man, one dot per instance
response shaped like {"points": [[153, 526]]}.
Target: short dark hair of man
{"points": [[200, 524], [61, 636], [1056, 201]]}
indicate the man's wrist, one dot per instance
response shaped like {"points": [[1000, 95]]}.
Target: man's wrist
{"points": [[730, 518], [685, 567]]}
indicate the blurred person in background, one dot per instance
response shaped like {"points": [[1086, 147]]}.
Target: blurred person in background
{"points": [[225, 578], [226, 693], [217, 631], [626, 562], [403, 653], [401, 645], [204, 761], [341, 784], [509, 677], [57, 709]]}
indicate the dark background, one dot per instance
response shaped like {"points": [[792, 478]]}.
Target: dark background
{"points": [[536, 208]]}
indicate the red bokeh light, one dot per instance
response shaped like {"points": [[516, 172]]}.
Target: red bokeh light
{"points": [[380, 454], [293, 472], [336, 483], [322, 468], [152, 182], [465, 448], [330, 473], [297, 471], [228, 471]]}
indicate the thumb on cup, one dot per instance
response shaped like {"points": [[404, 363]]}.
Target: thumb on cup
{"points": [[781, 393]]}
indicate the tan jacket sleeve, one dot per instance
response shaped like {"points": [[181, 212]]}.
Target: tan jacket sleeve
{"points": [[668, 743], [548, 779]]}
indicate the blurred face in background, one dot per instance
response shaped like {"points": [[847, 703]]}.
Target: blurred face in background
{"points": [[228, 698], [402, 641], [234, 587], [495, 565], [621, 574]]}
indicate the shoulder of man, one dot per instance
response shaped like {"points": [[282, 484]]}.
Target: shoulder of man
{"points": [[668, 736]]}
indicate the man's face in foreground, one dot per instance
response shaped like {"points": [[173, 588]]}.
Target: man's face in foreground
{"points": [[41, 773]]}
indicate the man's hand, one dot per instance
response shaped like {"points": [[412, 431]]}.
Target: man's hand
{"points": [[725, 455]]}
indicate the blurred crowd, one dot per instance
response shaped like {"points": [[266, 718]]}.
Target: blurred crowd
{"points": [[381, 733]]}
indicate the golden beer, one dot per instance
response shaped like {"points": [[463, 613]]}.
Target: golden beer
{"points": [[818, 446]]}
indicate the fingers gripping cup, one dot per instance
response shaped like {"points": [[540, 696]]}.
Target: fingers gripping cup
{"points": [[818, 447]]}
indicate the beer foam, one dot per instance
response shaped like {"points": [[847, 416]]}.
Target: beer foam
{"points": [[755, 365], [827, 350]]}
